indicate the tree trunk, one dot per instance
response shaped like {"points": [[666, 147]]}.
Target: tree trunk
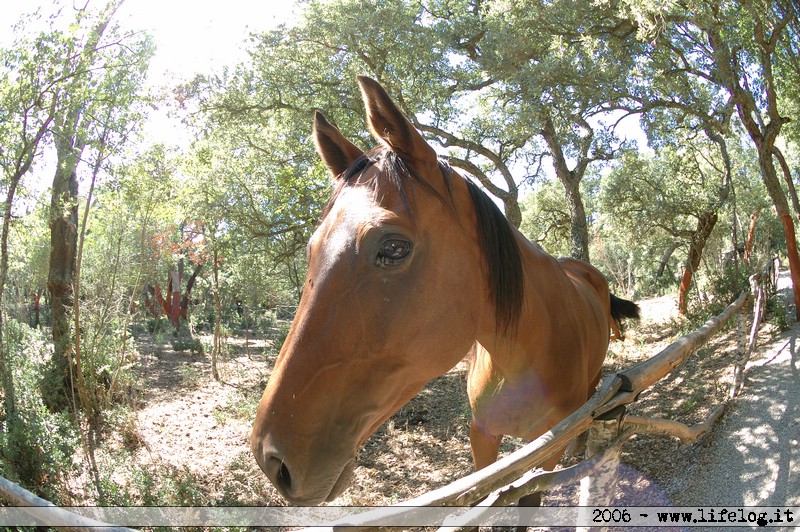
{"points": [[6, 364], [24, 161], [174, 306], [763, 130], [155, 310], [217, 319], [571, 179], [70, 130], [665, 258], [61, 275], [37, 308], [787, 177], [771, 182], [175, 298], [188, 293], [705, 225], [579, 232], [90, 407], [751, 233], [512, 210]]}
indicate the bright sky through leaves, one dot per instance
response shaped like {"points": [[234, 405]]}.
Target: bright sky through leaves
{"points": [[191, 35]]}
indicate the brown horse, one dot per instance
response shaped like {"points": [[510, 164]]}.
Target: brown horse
{"points": [[411, 268]]}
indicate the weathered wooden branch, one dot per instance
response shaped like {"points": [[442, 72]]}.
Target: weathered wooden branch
{"points": [[29, 503], [534, 481], [647, 373], [757, 287], [478, 485], [599, 488], [668, 427]]}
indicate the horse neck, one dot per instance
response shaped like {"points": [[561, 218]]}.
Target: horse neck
{"points": [[544, 283]]}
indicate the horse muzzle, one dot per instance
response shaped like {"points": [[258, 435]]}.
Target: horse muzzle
{"points": [[304, 488]]}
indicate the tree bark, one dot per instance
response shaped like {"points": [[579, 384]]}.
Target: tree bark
{"points": [[570, 179], [61, 275], [579, 231], [771, 182], [705, 225], [751, 234], [665, 258], [787, 177], [217, 318], [763, 131], [91, 408], [6, 365], [188, 293], [70, 138], [175, 298], [37, 308]]}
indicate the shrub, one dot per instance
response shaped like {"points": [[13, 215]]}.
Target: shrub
{"points": [[37, 446]]}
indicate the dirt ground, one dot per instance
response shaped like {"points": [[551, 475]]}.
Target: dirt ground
{"points": [[183, 420]]}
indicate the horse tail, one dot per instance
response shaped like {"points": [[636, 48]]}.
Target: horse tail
{"points": [[621, 309]]}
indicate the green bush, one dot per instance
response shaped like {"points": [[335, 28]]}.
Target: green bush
{"points": [[185, 343], [266, 320], [776, 314], [123, 482], [37, 446], [726, 285]]}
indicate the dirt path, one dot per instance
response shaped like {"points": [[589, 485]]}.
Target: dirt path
{"points": [[752, 457]]}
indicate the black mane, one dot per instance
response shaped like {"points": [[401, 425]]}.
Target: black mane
{"points": [[503, 259]]}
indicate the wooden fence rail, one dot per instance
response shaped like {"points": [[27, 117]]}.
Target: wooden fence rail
{"points": [[28, 502], [513, 476]]}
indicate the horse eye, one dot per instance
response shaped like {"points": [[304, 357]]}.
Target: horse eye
{"points": [[393, 251]]}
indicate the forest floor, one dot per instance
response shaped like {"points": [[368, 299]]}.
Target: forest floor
{"points": [[184, 424]]}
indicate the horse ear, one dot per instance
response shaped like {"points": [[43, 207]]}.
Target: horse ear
{"points": [[391, 127], [336, 152]]}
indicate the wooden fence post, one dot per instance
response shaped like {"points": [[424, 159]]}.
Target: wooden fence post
{"points": [[757, 281], [599, 488]]}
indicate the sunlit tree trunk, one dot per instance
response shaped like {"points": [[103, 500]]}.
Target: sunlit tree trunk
{"points": [[763, 130], [571, 180], [61, 275], [217, 318], [6, 365], [70, 134], [665, 258], [705, 225], [751, 234]]}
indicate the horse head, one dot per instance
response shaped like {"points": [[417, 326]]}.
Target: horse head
{"points": [[395, 295]]}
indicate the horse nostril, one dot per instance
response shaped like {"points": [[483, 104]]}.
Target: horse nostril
{"points": [[278, 472], [284, 478]]}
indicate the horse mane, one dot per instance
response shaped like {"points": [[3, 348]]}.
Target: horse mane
{"points": [[503, 258], [498, 242]]}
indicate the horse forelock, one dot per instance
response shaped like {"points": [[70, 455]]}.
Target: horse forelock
{"points": [[499, 245], [393, 172]]}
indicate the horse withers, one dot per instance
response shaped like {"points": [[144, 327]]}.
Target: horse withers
{"points": [[411, 268]]}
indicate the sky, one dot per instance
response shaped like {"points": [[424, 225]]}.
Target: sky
{"points": [[191, 37]]}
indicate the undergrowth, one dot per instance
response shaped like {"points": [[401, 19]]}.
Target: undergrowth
{"points": [[38, 447]]}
